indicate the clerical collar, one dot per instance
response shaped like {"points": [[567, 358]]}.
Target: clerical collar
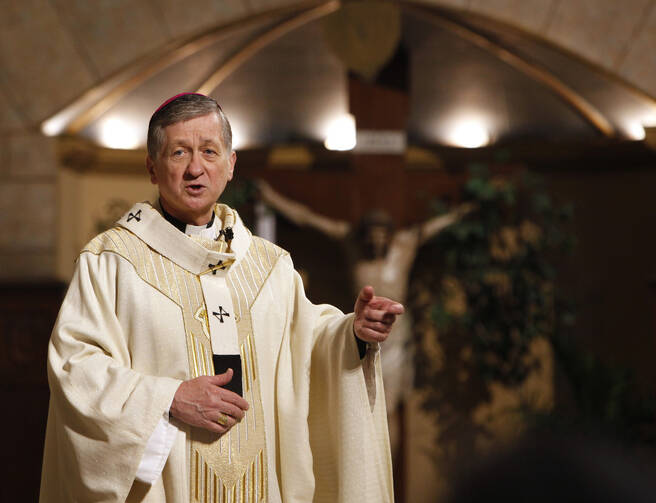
{"points": [[183, 227]]}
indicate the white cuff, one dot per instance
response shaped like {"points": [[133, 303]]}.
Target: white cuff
{"points": [[157, 451]]}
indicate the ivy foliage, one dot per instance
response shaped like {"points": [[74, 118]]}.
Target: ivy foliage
{"points": [[495, 284], [488, 282]]}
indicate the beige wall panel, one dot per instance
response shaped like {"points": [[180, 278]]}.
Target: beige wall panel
{"points": [[112, 34], [31, 155], [458, 4], [27, 265], [27, 216], [425, 481], [530, 15], [639, 64], [262, 5], [10, 119], [88, 204], [5, 164], [596, 29], [188, 18], [43, 68]]}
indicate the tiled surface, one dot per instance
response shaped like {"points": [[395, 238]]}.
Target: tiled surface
{"points": [[458, 4], [10, 119], [183, 19], [112, 33], [596, 29], [262, 5], [639, 63], [27, 216], [618, 36], [42, 67], [530, 15], [31, 156]]}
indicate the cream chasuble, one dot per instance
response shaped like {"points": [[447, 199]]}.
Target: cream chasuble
{"points": [[147, 309]]}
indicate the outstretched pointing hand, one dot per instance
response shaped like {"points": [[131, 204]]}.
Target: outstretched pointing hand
{"points": [[374, 316]]}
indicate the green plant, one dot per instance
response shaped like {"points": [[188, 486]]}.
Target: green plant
{"points": [[488, 283]]}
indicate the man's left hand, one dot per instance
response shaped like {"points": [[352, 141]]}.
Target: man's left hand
{"points": [[374, 316]]}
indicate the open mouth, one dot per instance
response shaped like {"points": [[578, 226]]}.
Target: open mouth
{"points": [[195, 187]]}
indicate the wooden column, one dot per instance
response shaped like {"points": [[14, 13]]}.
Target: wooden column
{"points": [[380, 179]]}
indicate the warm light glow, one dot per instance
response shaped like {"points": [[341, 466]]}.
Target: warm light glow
{"points": [[238, 137], [468, 133], [340, 133], [53, 126], [118, 133], [635, 131], [649, 120]]}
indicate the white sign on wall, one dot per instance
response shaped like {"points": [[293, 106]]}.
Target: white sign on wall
{"points": [[371, 141]]}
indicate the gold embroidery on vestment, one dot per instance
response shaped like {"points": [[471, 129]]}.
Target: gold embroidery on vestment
{"points": [[238, 469], [201, 316]]}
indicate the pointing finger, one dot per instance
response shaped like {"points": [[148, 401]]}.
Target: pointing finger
{"points": [[387, 305], [396, 308], [379, 315]]}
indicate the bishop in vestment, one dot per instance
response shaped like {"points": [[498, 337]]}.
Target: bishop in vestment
{"points": [[187, 365]]}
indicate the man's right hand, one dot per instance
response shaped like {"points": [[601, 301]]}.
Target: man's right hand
{"points": [[204, 403]]}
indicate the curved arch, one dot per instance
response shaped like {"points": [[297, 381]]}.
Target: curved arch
{"points": [[534, 71], [637, 88], [100, 98], [229, 66]]}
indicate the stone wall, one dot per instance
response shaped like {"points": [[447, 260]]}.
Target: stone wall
{"points": [[28, 207]]}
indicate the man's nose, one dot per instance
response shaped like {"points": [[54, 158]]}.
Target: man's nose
{"points": [[195, 166]]}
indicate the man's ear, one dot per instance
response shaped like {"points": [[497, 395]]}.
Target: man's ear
{"points": [[233, 160], [150, 167]]}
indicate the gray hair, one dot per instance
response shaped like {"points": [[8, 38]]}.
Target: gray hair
{"points": [[183, 108]]}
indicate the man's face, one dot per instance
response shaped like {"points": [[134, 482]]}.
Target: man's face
{"points": [[379, 238], [192, 169]]}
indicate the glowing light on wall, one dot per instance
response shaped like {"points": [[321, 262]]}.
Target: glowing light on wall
{"points": [[118, 133], [635, 131], [340, 133], [239, 138], [649, 119], [634, 124], [53, 126], [468, 133]]}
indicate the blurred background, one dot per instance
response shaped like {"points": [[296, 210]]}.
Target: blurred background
{"points": [[517, 136]]}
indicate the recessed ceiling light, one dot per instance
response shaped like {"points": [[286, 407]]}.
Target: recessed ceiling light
{"points": [[340, 133], [468, 133], [118, 133]]}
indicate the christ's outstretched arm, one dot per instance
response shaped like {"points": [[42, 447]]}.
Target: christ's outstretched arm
{"points": [[435, 225], [301, 214]]}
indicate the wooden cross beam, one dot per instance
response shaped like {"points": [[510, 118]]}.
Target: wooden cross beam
{"points": [[347, 185]]}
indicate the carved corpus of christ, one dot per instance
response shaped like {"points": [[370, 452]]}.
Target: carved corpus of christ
{"points": [[381, 257]]}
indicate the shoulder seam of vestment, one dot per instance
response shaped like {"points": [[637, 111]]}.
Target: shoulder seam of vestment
{"points": [[278, 251], [116, 240]]}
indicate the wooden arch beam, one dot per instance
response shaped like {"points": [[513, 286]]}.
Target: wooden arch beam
{"points": [[100, 98], [249, 50], [533, 70]]}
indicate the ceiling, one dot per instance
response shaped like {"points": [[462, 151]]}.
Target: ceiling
{"points": [[523, 69]]}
